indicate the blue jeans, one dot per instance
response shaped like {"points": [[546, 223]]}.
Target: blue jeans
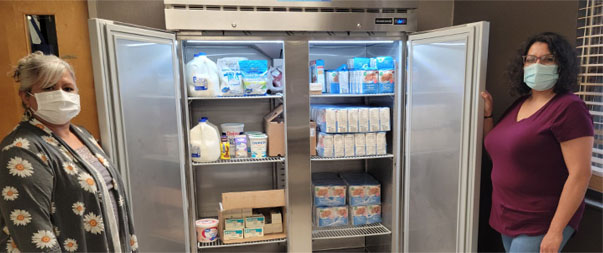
{"points": [[526, 243]]}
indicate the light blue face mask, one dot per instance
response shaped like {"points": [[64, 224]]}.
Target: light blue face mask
{"points": [[540, 77]]}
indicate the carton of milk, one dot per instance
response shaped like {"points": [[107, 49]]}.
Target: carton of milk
{"points": [[331, 216], [328, 190], [360, 144], [342, 119], [370, 84], [325, 117], [317, 73], [353, 119], [387, 81], [324, 148], [332, 81], [373, 214], [374, 119], [363, 189], [371, 143], [344, 81], [358, 215], [338, 145], [386, 66], [384, 122], [381, 143], [359, 63], [363, 119], [349, 143]]}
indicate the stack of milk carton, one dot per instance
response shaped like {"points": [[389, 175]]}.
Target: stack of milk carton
{"points": [[351, 130], [360, 75], [329, 192], [364, 198]]}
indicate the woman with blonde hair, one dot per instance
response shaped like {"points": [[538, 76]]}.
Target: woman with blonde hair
{"points": [[59, 190]]}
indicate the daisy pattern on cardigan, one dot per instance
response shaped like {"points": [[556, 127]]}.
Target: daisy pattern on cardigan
{"points": [[65, 191]]}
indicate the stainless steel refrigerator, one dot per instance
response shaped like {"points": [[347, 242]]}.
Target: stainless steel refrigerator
{"points": [[429, 176]]}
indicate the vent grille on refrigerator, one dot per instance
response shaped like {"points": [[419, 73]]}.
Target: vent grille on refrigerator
{"points": [[284, 9]]}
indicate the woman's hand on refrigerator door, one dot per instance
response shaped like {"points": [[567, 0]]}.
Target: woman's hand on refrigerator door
{"points": [[488, 121], [487, 104]]}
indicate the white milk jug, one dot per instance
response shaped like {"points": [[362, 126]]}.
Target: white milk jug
{"points": [[202, 77], [205, 142]]}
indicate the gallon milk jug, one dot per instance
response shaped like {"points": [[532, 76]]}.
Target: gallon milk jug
{"points": [[202, 77], [205, 142]]}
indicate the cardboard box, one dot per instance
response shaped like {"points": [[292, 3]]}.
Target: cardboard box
{"points": [[253, 200], [315, 89], [312, 138], [275, 225], [275, 129]]}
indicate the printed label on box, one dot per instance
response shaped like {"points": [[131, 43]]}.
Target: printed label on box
{"points": [[373, 214], [254, 221], [353, 120], [360, 147], [232, 224], [254, 232], [233, 234]]}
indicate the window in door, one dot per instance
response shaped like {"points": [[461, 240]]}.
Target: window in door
{"points": [[42, 34]]}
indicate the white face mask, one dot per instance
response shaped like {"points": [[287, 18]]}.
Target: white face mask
{"points": [[57, 107]]}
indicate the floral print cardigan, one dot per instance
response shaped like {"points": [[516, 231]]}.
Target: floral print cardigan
{"points": [[52, 200]]}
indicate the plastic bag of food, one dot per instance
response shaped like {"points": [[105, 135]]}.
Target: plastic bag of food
{"points": [[255, 76], [232, 78]]}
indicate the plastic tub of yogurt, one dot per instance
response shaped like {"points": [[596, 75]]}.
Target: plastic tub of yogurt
{"points": [[207, 230], [257, 144]]}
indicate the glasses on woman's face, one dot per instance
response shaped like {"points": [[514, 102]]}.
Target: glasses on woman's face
{"points": [[548, 59]]}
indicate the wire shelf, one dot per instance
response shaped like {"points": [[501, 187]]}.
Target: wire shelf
{"points": [[349, 231], [352, 95], [218, 243], [318, 158], [278, 95], [243, 161]]}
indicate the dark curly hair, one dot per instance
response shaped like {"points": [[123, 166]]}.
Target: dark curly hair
{"points": [[565, 56]]}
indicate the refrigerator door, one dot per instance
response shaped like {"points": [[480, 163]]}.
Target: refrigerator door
{"points": [[444, 116], [137, 88]]}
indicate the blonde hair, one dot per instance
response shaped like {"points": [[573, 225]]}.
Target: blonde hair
{"points": [[39, 68]]}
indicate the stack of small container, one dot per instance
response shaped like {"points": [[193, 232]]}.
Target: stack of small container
{"points": [[348, 198], [347, 131], [364, 198], [359, 76], [329, 192]]}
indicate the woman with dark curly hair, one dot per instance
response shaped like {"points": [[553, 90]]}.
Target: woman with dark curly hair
{"points": [[540, 149]]}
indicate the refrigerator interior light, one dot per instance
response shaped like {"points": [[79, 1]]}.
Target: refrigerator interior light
{"points": [[350, 42], [235, 41]]}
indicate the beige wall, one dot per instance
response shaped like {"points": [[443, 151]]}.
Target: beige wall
{"points": [[147, 13], [434, 14], [74, 46]]}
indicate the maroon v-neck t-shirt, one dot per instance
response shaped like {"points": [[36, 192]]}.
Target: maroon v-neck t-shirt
{"points": [[529, 171]]}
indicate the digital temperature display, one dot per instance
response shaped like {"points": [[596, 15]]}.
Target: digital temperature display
{"points": [[399, 21]]}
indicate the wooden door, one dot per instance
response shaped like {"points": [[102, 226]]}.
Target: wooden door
{"points": [[74, 47]]}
